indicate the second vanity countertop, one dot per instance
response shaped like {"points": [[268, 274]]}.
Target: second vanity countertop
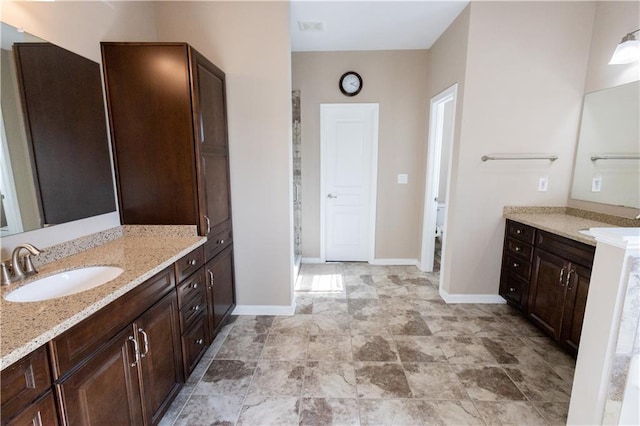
{"points": [[27, 326]]}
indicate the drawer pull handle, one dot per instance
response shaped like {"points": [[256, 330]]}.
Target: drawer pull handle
{"points": [[512, 289], [516, 265], [199, 341], [208, 223], [517, 248], [569, 279], [518, 231], [562, 277], [192, 262], [211, 280], [136, 351], [146, 343], [29, 378], [196, 308]]}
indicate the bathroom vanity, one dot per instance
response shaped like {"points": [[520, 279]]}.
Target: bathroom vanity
{"points": [[546, 268], [122, 350]]}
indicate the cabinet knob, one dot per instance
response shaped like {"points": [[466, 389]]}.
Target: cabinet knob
{"points": [[516, 265], [518, 231], [220, 241], [512, 289], [517, 248], [194, 285], [196, 308], [199, 341], [192, 262]]}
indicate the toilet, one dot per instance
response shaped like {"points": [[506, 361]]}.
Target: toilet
{"points": [[440, 221]]}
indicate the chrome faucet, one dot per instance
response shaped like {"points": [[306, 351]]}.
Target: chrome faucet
{"points": [[20, 268]]}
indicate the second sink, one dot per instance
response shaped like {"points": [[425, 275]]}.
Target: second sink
{"points": [[64, 284]]}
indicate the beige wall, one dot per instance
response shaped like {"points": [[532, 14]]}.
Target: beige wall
{"points": [[395, 80], [525, 74], [612, 21], [78, 27], [249, 41], [447, 66]]}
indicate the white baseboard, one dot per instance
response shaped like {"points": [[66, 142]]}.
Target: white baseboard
{"points": [[471, 298], [396, 262], [264, 309], [311, 260]]}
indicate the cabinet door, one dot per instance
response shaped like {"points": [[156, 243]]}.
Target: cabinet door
{"points": [[161, 358], [211, 125], [547, 292], [220, 288], [194, 343], [575, 304], [40, 413], [106, 390]]}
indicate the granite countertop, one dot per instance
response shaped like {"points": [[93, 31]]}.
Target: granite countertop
{"points": [[562, 224], [25, 327]]}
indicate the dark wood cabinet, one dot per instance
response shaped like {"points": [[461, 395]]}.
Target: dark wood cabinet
{"points": [[220, 290], [167, 111], [546, 277], [41, 413]]}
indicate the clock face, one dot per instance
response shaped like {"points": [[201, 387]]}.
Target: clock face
{"points": [[350, 83]]}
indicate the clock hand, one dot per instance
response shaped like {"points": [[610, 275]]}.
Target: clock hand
{"points": [[354, 84]]}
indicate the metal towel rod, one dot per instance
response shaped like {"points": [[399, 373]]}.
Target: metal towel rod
{"points": [[615, 157], [519, 157]]}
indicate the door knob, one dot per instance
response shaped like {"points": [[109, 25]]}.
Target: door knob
{"points": [[331, 196]]}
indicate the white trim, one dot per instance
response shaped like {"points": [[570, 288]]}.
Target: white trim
{"points": [[312, 260], [431, 179], [373, 190], [624, 238], [471, 298], [393, 262], [264, 309]]}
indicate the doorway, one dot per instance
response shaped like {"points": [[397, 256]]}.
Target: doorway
{"points": [[348, 171], [441, 132]]}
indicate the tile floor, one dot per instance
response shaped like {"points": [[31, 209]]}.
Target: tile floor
{"points": [[377, 345]]}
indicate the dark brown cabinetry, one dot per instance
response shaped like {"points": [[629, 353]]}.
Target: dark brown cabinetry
{"points": [[546, 276], [130, 378], [220, 290]]}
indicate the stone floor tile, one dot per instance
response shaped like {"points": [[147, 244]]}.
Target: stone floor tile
{"points": [[174, 410], [511, 350], [329, 380], [304, 304], [419, 349], [285, 347], [277, 378], [329, 324], [329, 411], [433, 381], [361, 291], [374, 348], [226, 377], [210, 409], [242, 346], [409, 325], [449, 326], [329, 306], [550, 352], [465, 350], [520, 326], [330, 348], [252, 324], [269, 410], [381, 380], [553, 412], [369, 324], [488, 383], [395, 412], [539, 383], [434, 308], [454, 413], [365, 307], [295, 324], [509, 413]]}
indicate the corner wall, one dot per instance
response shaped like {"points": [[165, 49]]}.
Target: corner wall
{"points": [[395, 80], [249, 41]]}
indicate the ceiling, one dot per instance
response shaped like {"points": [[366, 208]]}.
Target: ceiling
{"points": [[371, 25]]}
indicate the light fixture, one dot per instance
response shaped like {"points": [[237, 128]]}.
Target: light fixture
{"points": [[627, 51]]}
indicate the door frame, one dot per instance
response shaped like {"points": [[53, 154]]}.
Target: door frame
{"points": [[434, 155], [373, 178]]}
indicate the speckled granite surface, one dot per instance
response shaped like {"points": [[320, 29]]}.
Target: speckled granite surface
{"points": [[27, 326], [557, 220], [160, 230]]}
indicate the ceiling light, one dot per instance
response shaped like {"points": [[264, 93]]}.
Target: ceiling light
{"points": [[627, 51], [310, 26]]}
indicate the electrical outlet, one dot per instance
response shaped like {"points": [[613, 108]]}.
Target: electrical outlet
{"points": [[403, 179], [543, 183], [596, 183]]}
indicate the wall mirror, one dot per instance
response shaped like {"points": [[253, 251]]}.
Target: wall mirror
{"points": [[55, 159], [607, 168]]}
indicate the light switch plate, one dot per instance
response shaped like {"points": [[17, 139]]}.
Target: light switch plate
{"points": [[596, 183], [403, 179], [543, 183]]}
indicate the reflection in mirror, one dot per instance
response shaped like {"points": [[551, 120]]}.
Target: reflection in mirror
{"points": [[55, 156], [607, 168]]}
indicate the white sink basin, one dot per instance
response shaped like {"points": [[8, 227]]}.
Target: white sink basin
{"points": [[64, 284], [586, 232]]}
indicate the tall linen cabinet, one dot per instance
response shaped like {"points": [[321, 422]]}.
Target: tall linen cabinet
{"points": [[167, 113]]}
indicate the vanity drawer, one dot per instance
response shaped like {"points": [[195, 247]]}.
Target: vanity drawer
{"points": [[514, 290], [521, 232], [515, 266], [192, 287], [571, 250], [193, 307], [519, 249], [82, 340], [24, 381], [194, 343], [216, 242], [40, 413], [189, 264]]}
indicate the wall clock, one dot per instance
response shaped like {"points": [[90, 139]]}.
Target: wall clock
{"points": [[350, 83]]}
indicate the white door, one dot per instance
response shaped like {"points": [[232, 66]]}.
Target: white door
{"points": [[349, 139]]}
